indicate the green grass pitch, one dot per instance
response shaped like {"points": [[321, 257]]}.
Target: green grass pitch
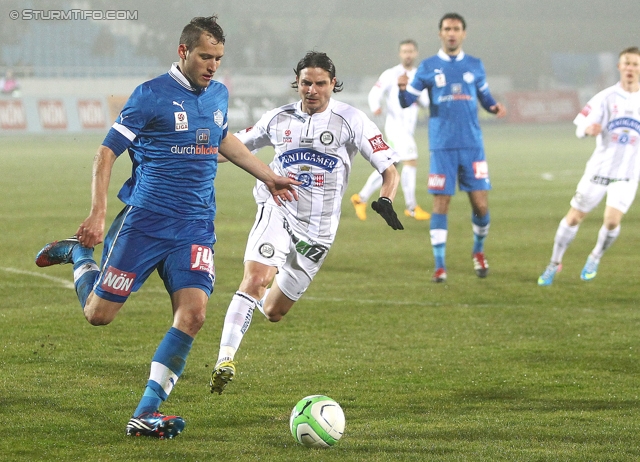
{"points": [[474, 370]]}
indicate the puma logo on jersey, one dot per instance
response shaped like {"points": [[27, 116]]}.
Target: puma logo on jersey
{"points": [[175, 103]]}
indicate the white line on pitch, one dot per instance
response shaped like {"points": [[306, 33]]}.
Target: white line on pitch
{"points": [[63, 282]]}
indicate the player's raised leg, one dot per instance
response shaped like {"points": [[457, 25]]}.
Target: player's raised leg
{"points": [[85, 269]]}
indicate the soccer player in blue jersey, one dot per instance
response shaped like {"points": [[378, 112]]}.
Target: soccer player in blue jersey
{"points": [[173, 128], [456, 82]]}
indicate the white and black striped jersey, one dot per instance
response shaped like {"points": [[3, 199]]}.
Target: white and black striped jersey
{"points": [[617, 155], [317, 150]]}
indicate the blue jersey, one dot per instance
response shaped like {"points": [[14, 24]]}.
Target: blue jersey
{"points": [[455, 86], [172, 132]]}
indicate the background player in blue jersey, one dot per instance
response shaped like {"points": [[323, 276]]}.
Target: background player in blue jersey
{"points": [[456, 83], [172, 127]]}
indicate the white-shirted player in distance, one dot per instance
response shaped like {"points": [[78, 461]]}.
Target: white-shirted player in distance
{"points": [[399, 126], [613, 117], [315, 141]]}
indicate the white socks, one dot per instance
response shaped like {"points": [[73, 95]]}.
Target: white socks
{"points": [[606, 237], [374, 182], [236, 324], [564, 235], [408, 183]]}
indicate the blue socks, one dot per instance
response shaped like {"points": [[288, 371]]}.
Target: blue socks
{"points": [[438, 232], [85, 272], [480, 227], [166, 367]]}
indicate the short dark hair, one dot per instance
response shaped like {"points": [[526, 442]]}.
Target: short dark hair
{"points": [[317, 59], [409, 42], [454, 16], [193, 31], [632, 50]]}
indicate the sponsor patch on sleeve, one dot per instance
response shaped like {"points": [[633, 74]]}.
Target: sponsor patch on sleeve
{"points": [[378, 144], [586, 110]]}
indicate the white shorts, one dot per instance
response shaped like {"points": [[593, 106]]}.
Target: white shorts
{"points": [[591, 189], [274, 241], [401, 142]]}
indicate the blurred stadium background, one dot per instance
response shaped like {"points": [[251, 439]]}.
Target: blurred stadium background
{"points": [[544, 58]]}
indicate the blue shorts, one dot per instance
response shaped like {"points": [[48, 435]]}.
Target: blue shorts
{"points": [[140, 241], [467, 166]]}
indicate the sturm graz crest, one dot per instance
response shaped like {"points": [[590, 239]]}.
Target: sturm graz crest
{"points": [[326, 138], [266, 250]]}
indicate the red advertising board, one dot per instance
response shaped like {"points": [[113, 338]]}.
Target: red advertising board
{"points": [[12, 115], [52, 114], [542, 106], [91, 113]]}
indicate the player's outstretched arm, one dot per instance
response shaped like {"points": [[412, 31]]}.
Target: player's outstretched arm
{"points": [[281, 188], [384, 205]]}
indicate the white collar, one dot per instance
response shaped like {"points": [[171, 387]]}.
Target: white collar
{"points": [[179, 77], [442, 55]]}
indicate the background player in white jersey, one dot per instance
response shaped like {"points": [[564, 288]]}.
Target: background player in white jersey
{"points": [[400, 123], [456, 83], [315, 141], [613, 117], [172, 128]]}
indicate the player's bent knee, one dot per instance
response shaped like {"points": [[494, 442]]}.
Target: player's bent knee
{"points": [[275, 317], [97, 318], [273, 312], [100, 312]]}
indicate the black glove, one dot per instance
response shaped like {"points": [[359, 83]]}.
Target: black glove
{"points": [[384, 207]]}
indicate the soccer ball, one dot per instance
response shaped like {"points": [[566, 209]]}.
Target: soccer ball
{"points": [[317, 421]]}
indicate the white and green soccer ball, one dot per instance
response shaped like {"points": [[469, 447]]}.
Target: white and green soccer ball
{"points": [[317, 421]]}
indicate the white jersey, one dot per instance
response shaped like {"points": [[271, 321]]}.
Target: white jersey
{"points": [[617, 155], [398, 119], [317, 150]]}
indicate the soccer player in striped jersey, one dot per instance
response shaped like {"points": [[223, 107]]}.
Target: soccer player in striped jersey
{"points": [[613, 118], [400, 123], [456, 83], [315, 141], [173, 127]]}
